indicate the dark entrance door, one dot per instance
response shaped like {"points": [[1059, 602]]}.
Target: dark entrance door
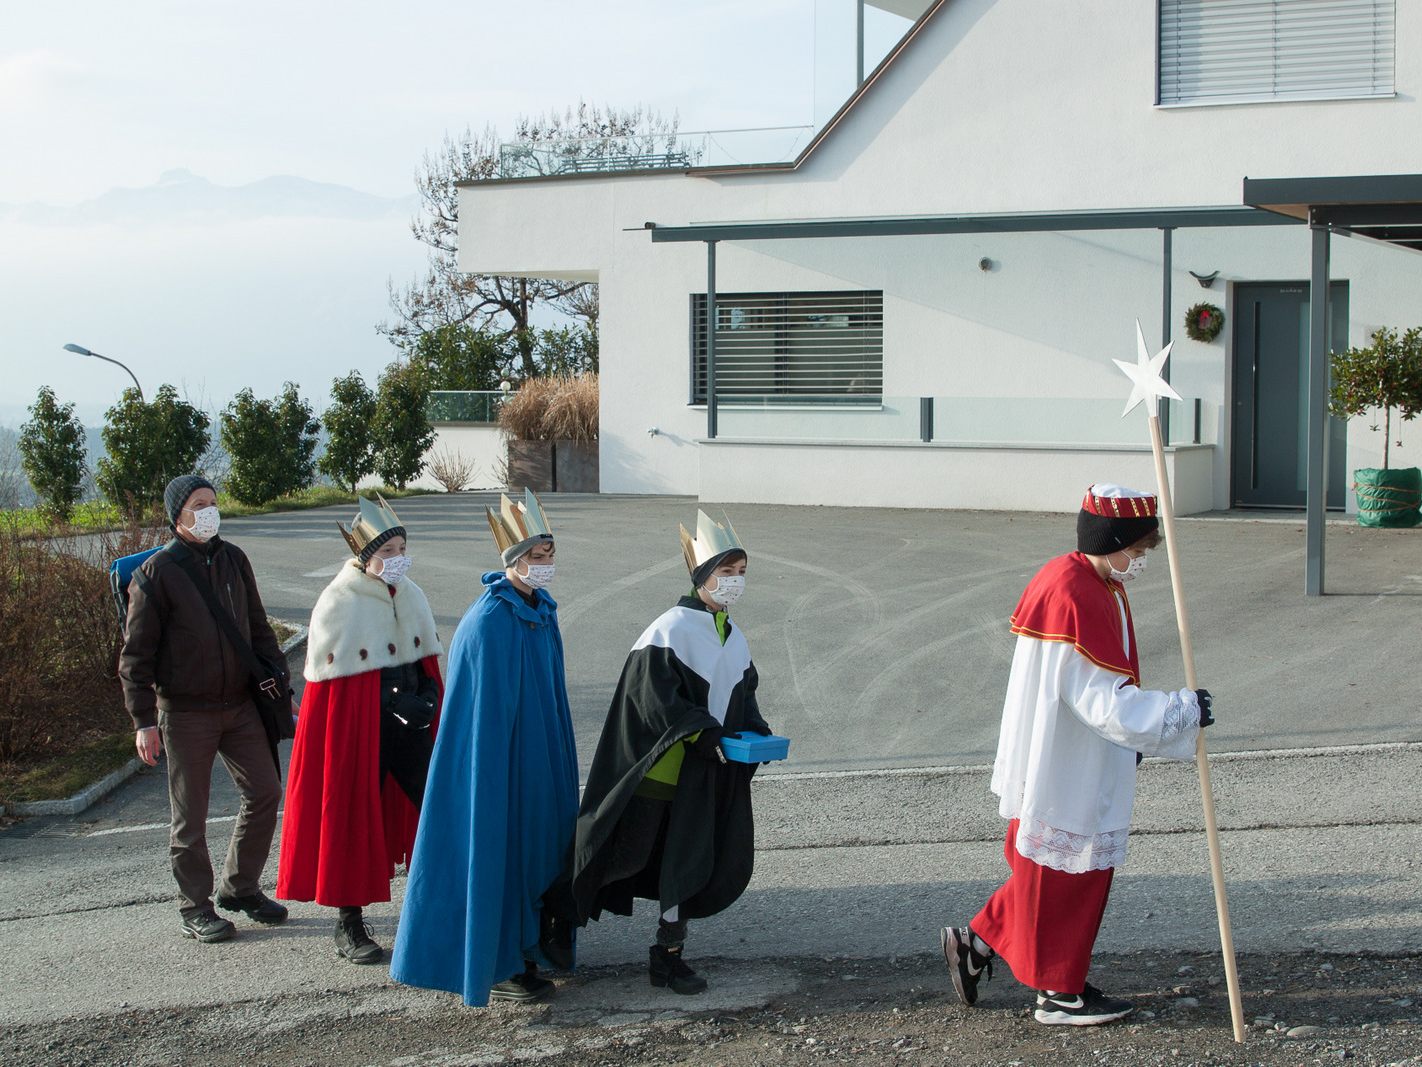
{"points": [[1270, 395]]}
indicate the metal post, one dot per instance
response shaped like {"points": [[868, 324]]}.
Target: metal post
{"points": [[711, 340], [858, 43], [1317, 473], [1167, 259], [925, 419]]}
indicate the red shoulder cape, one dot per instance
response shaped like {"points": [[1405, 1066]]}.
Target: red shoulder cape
{"points": [[1068, 601], [343, 830]]}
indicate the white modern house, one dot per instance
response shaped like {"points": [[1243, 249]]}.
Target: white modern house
{"points": [[920, 301]]}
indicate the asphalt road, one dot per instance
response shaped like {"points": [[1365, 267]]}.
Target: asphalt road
{"points": [[881, 636]]}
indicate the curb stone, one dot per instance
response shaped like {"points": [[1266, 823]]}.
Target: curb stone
{"points": [[94, 792]]}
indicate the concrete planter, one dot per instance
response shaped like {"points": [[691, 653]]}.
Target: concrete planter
{"points": [[530, 466], [553, 466], [575, 467]]}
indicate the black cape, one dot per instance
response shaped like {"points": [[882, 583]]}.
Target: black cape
{"points": [[679, 679]]}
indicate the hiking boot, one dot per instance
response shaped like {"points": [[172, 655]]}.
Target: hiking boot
{"points": [[354, 943], [555, 941], [256, 906], [205, 926], [522, 988], [1090, 1007], [967, 966], [669, 971]]}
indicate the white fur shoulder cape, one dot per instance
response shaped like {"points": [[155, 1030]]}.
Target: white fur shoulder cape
{"points": [[358, 626]]}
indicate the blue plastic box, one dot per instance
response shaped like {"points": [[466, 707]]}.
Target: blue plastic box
{"points": [[753, 748]]}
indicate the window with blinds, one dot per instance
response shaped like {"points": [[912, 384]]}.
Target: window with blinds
{"points": [[1226, 51], [810, 348]]}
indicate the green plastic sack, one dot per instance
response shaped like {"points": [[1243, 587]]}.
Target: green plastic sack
{"points": [[1388, 497]]}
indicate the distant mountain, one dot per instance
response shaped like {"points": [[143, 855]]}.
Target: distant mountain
{"points": [[181, 196]]}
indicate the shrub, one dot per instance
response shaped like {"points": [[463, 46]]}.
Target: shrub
{"points": [[271, 443], [59, 684], [149, 444], [52, 452], [453, 470], [401, 430], [350, 422]]}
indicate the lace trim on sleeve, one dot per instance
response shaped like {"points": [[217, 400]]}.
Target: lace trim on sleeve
{"points": [[1068, 852], [1181, 712]]}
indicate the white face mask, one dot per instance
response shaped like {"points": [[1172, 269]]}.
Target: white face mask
{"points": [[539, 575], [729, 589], [1134, 569], [392, 568], [205, 523]]}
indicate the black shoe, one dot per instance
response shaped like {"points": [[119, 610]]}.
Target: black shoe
{"points": [[555, 941], [354, 943], [523, 988], [967, 966], [669, 970], [1090, 1007], [205, 926], [257, 906]]}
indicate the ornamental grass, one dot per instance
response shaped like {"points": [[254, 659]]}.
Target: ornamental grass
{"points": [[559, 408]]}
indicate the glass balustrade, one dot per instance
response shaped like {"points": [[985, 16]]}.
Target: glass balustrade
{"points": [[676, 151]]}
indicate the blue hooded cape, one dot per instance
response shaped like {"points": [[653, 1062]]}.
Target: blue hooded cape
{"points": [[501, 801]]}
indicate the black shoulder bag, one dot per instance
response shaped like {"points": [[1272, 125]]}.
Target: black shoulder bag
{"points": [[270, 692]]}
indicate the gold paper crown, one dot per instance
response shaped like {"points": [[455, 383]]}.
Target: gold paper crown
{"points": [[711, 540], [371, 522], [515, 524]]}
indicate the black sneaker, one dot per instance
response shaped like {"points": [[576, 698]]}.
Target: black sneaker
{"points": [[256, 906], [354, 943], [522, 988], [205, 926], [967, 966], [669, 971], [1090, 1007]]}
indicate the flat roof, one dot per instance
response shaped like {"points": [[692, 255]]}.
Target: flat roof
{"points": [[1015, 222]]}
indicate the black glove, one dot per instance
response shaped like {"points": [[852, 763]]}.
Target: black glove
{"points": [[1207, 704], [757, 726], [708, 746]]}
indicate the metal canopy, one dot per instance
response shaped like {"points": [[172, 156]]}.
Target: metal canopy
{"points": [[922, 225], [1385, 207]]}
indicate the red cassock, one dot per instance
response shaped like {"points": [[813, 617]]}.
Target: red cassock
{"points": [[344, 830]]}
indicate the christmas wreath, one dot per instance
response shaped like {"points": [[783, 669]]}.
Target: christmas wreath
{"points": [[1203, 322]]}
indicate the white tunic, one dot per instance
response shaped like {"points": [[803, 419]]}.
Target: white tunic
{"points": [[1066, 756]]}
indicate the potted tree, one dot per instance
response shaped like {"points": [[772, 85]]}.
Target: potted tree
{"points": [[1383, 376]]}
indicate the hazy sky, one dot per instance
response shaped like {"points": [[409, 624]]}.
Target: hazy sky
{"points": [[97, 96]]}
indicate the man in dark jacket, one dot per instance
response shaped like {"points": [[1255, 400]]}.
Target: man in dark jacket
{"points": [[187, 690]]}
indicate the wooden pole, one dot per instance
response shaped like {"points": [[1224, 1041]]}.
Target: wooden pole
{"points": [[1207, 793]]}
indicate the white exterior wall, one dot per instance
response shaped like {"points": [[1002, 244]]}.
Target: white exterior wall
{"points": [[1005, 106]]}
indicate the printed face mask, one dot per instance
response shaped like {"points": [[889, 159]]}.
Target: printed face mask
{"points": [[729, 589], [393, 569], [205, 523], [1134, 569], [539, 575]]}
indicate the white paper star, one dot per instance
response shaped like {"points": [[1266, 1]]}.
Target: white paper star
{"points": [[1146, 380]]}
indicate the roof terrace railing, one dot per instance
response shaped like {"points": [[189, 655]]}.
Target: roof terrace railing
{"points": [[641, 152]]}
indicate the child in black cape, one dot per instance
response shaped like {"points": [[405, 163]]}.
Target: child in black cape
{"points": [[665, 816]]}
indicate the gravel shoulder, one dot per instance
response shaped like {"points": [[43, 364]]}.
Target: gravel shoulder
{"points": [[1314, 1009]]}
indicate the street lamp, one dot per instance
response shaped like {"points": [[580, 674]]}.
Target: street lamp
{"points": [[80, 350]]}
